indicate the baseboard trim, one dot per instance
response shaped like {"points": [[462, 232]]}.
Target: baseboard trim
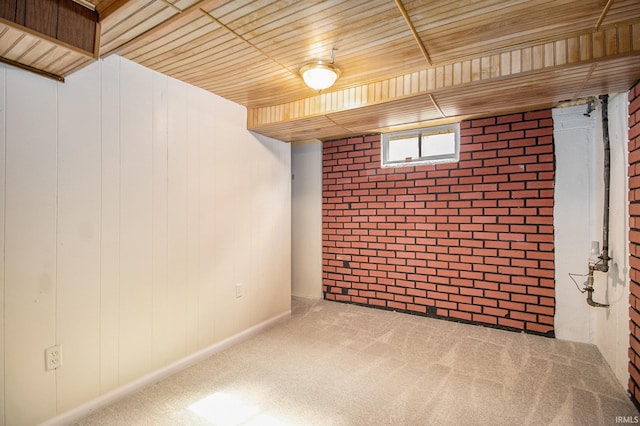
{"points": [[102, 401]]}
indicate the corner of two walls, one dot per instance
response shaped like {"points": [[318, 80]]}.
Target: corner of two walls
{"points": [[132, 204], [634, 241]]}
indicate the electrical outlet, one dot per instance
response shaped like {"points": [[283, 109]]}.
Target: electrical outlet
{"points": [[239, 290], [53, 357]]}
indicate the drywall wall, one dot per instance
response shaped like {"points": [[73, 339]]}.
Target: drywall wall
{"points": [[578, 222], [132, 205], [306, 191]]}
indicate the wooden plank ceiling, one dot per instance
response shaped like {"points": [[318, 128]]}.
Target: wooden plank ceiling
{"points": [[404, 63]]}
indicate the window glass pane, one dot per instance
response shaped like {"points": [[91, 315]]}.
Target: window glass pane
{"points": [[403, 147], [429, 145], [438, 144]]}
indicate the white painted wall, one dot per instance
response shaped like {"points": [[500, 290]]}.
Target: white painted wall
{"points": [[130, 206], [578, 221], [611, 326], [575, 217], [307, 221]]}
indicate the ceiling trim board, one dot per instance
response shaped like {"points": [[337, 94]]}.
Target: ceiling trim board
{"points": [[604, 13], [38, 71], [436, 106], [585, 81], [415, 34], [173, 6]]}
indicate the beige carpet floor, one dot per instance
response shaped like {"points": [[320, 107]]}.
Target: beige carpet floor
{"points": [[338, 364]]}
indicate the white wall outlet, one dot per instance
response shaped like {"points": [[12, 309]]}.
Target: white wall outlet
{"points": [[53, 357], [239, 290]]}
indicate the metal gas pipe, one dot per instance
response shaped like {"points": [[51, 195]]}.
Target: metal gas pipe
{"points": [[601, 262]]}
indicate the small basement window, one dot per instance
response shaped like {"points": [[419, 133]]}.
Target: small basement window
{"points": [[430, 145]]}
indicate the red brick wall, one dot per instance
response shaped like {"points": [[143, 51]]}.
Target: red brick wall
{"points": [[469, 241], [634, 241]]}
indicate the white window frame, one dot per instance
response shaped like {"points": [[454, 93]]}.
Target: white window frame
{"points": [[387, 138]]}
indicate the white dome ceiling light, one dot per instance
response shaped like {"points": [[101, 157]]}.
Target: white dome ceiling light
{"points": [[320, 74]]}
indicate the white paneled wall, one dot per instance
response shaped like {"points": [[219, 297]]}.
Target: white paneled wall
{"points": [[30, 276], [78, 238], [130, 206]]}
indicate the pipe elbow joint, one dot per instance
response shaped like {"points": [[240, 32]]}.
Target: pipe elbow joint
{"points": [[599, 267], [592, 302]]}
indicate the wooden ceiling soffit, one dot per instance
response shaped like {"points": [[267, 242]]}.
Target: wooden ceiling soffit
{"points": [[550, 86], [38, 54], [321, 127], [414, 109], [587, 48], [63, 21], [49, 38]]}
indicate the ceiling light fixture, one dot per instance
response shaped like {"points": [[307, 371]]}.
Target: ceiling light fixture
{"points": [[319, 74]]}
